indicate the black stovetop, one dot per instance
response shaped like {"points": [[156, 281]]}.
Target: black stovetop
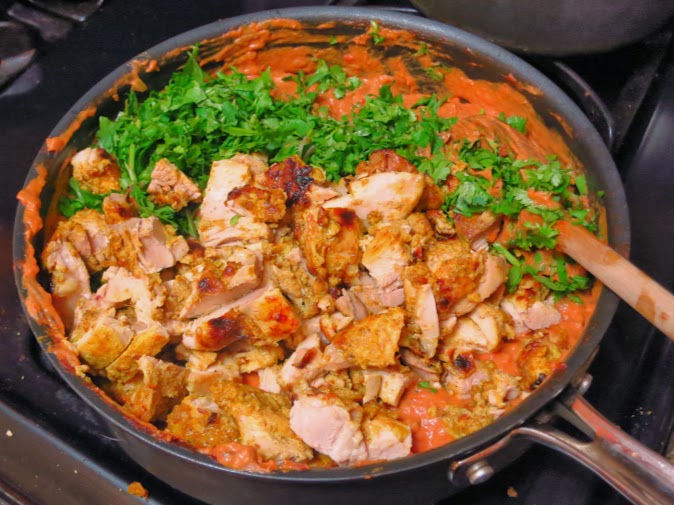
{"points": [[54, 449]]}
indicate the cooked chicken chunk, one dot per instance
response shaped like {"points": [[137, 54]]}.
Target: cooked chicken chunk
{"points": [[331, 426], [384, 196], [386, 438], [262, 419], [219, 277], [330, 243], [118, 208], [385, 257], [200, 422], [147, 342], [96, 171], [426, 316], [101, 338], [70, 279], [264, 205], [170, 186], [373, 341]]}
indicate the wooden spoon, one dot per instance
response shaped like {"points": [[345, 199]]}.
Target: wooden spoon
{"points": [[645, 295]]}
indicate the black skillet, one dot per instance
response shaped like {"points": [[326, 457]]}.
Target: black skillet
{"points": [[632, 469]]}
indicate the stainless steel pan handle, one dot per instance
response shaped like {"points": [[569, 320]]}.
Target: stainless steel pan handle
{"points": [[640, 474]]}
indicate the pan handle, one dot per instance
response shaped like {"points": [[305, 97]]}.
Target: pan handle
{"points": [[640, 474]]}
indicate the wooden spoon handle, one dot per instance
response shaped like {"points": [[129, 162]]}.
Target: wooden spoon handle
{"points": [[645, 295]]}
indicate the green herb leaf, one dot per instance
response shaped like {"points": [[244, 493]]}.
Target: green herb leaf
{"points": [[427, 385], [234, 220], [374, 32]]}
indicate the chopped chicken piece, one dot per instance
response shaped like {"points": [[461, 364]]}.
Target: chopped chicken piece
{"points": [[385, 160], [330, 243], [270, 379], [121, 287], [477, 227], [262, 419], [426, 316], [318, 195], [386, 438], [220, 277], [294, 178], [170, 186], [330, 426], [458, 271], [541, 315], [222, 331], [96, 171], [389, 195], [306, 363], [161, 388], [350, 306], [422, 367], [387, 385], [92, 238], [264, 205], [272, 313], [118, 208], [332, 324], [441, 224], [219, 223], [373, 341], [159, 247], [199, 422], [433, 197], [101, 341], [147, 342], [70, 279], [482, 330], [385, 257]]}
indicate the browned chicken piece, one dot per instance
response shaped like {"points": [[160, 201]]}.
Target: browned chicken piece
{"points": [[220, 332], [290, 273], [170, 186], [329, 239], [262, 419], [272, 313], [199, 422], [92, 238], [487, 129], [69, 278], [477, 228], [426, 317], [96, 171], [100, 338], [330, 425], [539, 358], [264, 205], [482, 330], [433, 196], [367, 294], [318, 195], [386, 438], [219, 223], [384, 196], [385, 160], [421, 234], [239, 358], [528, 307], [388, 385], [373, 341], [219, 277], [294, 178], [426, 369], [351, 306], [161, 387], [441, 224], [458, 271], [157, 245], [270, 379], [385, 257], [147, 342], [118, 207], [143, 292]]}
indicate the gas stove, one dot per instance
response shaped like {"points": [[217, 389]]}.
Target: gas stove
{"points": [[54, 449]]}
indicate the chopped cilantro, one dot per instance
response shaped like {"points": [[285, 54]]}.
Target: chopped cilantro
{"points": [[234, 220], [423, 49], [82, 199], [374, 32], [517, 122], [427, 385]]}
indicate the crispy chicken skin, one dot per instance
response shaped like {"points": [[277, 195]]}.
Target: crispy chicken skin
{"points": [[305, 313]]}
